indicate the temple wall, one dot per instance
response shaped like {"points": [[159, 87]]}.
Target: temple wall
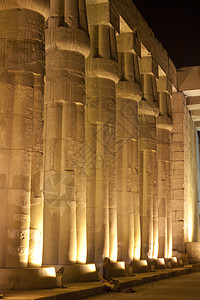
{"points": [[191, 180], [184, 175]]}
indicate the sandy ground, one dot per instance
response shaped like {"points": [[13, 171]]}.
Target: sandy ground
{"points": [[177, 288]]}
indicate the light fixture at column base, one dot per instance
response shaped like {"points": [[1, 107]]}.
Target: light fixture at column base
{"points": [[75, 273], [137, 266], [158, 263]]}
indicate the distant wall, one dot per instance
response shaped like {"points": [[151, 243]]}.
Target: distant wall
{"points": [[184, 175]]}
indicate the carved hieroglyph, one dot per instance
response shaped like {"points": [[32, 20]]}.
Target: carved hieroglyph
{"points": [[164, 127], [102, 74], [67, 45], [21, 89], [128, 94], [148, 111]]}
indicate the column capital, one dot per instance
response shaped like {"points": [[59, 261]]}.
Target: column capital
{"points": [[102, 13], [64, 38], [129, 42], [164, 122], [129, 86], [102, 68], [103, 60], [164, 85], [129, 90], [129, 48], [148, 65], [39, 6], [67, 27], [149, 108]]}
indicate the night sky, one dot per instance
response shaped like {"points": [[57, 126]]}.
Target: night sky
{"points": [[176, 24]]}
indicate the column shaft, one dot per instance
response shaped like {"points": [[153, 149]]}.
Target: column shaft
{"points": [[164, 127], [21, 89], [128, 95], [148, 110], [36, 202], [67, 44], [102, 74]]}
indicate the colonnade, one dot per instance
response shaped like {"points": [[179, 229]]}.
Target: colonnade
{"points": [[85, 168]]}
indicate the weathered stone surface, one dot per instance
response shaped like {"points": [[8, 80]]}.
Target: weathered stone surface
{"points": [[102, 13], [42, 7], [128, 42], [22, 84], [67, 45], [102, 73], [164, 127], [128, 11], [120, 176], [27, 279], [188, 80], [193, 251], [148, 161], [148, 65], [128, 93], [184, 175]]}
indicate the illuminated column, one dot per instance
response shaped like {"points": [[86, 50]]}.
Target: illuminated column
{"points": [[102, 75], [67, 45], [21, 90], [164, 127], [128, 95], [36, 204], [148, 111]]}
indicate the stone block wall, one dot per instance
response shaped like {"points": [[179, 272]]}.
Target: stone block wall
{"points": [[184, 175], [177, 171], [191, 179]]}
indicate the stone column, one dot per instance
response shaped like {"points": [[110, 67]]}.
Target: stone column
{"points": [[164, 127], [67, 45], [21, 113], [128, 95], [102, 74], [148, 111]]}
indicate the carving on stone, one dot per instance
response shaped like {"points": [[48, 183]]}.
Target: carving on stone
{"points": [[164, 127], [67, 45], [148, 111], [102, 73], [128, 93], [22, 89]]}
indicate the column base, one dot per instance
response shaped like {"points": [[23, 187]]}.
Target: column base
{"points": [[173, 262], [116, 269], [158, 263], [137, 266], [77, 273], [27, 278]]}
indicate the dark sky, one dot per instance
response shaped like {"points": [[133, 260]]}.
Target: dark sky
{"points": [[176, 24]]}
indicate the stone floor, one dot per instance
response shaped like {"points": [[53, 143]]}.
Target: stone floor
{"points": [[184, 287], [87, 289]]}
